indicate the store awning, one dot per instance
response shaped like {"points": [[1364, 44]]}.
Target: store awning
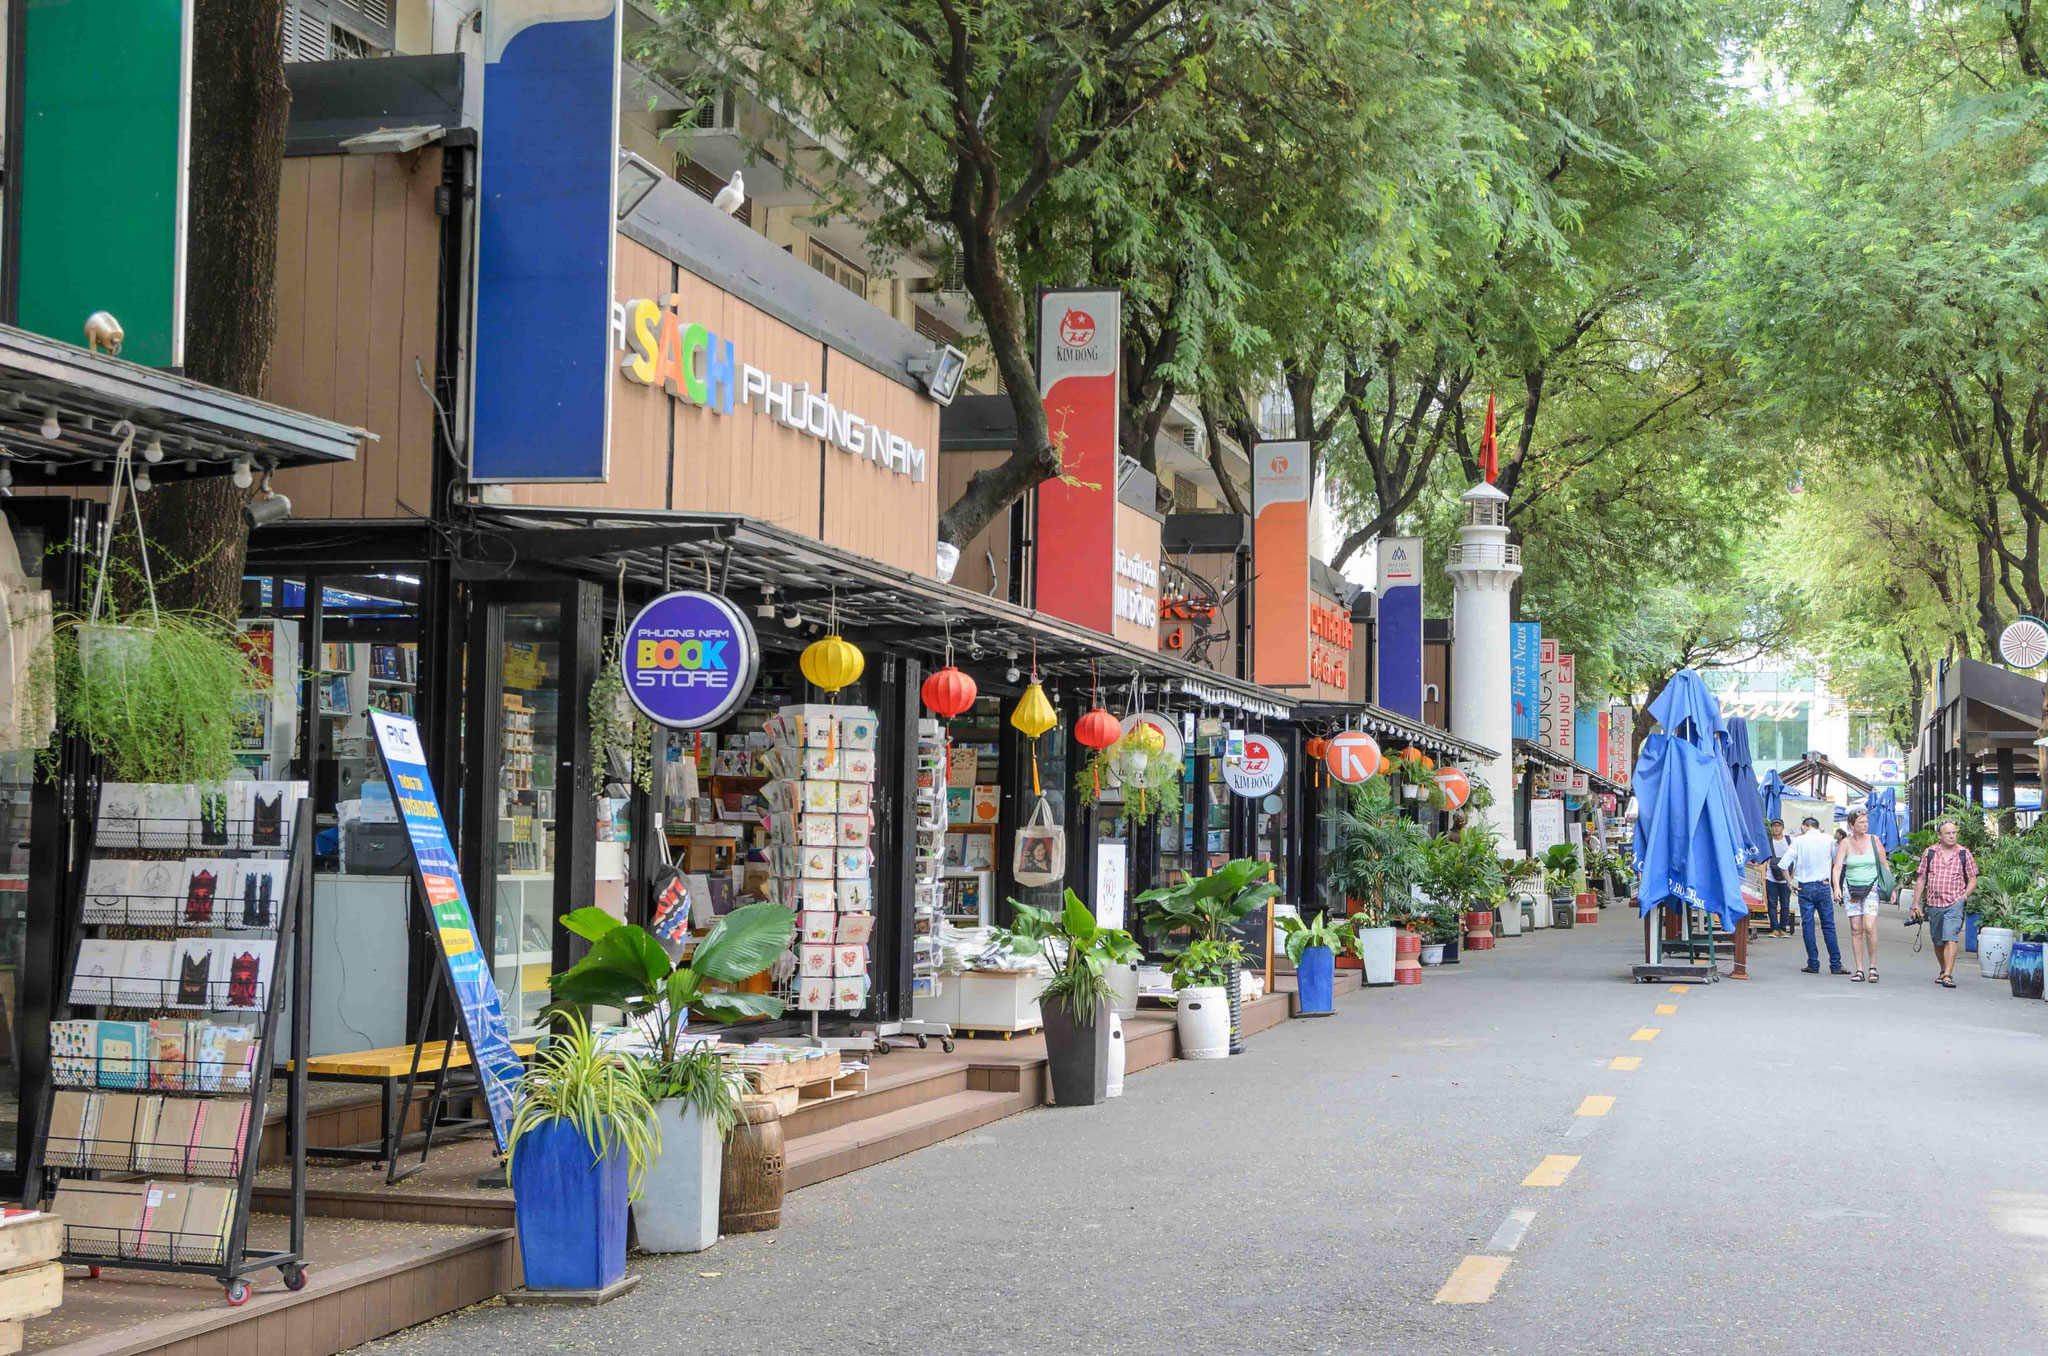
{"points": [[1819, 769], [1549, 757], [95, 398], [750, 559], [1388, 726]]}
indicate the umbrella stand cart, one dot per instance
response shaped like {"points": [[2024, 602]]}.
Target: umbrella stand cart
{"points": [[1689, 844]]}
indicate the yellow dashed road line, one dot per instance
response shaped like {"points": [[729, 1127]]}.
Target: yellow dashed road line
{"points": [[1680, 988], [1666, 1009], [1474, 1280], [1626, 1063], [1648, 1033], [1595, 1106], [1552, 1171]]}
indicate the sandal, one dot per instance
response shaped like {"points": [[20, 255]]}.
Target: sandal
{"points": [[1873, 974], [1857, 977], [1946, 982]]}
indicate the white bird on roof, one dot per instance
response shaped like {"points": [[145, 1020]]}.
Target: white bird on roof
{"points": [[731, 196]]}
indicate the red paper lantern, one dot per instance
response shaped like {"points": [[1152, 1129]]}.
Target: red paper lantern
{"points": [[948, 692], [1098, 729], [1316, 748]]}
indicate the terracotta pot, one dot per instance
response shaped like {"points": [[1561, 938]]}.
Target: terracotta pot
{"points": [[1588, 908], [1479, 929], [1407, 957]]}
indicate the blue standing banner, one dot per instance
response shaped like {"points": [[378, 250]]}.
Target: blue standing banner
{"points": [[1398, 674], [1525, 644], [478, 1010], [547, 178]]}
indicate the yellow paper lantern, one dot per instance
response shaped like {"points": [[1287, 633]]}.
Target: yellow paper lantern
{"points": [[832, 663], [1034, 714]]}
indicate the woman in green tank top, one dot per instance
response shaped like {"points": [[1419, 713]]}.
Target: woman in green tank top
{"points": [[1858, 884]]}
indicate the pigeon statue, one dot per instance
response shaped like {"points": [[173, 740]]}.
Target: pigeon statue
{"points": [[731, 196]]}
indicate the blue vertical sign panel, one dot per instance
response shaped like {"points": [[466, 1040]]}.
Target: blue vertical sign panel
{"points": [[1586, 737], [547, 170], [1524, 675], [477, 1008], [1399, 666]]}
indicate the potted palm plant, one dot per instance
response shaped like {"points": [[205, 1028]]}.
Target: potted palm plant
{"points": [[2011, 875], [1207, 907], [581, 1140], [694, 1093], [1313, 947], [1561, 869], [1074, 1004], [1375, 860]]}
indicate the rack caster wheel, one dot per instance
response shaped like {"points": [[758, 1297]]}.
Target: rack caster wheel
{"points": [[294, 1277], [883, 1047], [238, 1292], [946, 1044], [922, 1043]]}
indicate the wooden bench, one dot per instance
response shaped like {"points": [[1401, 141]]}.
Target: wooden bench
{"points": [[389, 1070]]}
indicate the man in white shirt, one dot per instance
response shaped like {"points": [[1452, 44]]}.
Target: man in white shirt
{"points": [[1810, 859]]}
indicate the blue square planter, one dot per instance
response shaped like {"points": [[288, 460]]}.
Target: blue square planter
{"points": [[1316, 973], [571, 1209]]}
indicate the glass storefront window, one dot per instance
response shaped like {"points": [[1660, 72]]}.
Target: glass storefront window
{"points": [[17, 778], [529, 733]]}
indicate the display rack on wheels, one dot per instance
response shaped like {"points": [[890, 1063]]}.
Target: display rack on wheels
{"points": [[151, 1128]]}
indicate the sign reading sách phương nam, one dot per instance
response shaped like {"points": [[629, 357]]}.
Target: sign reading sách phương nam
{"points": [[693, 364]]}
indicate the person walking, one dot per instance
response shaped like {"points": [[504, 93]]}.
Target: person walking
{"points": [[1861, 884], [1948, 875], [1777, 884], [1810, 858]]}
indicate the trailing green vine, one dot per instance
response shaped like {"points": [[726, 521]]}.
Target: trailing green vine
{"points": [[1157, 793], [615, 723]]}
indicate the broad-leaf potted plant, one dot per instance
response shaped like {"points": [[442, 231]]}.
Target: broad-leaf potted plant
{"points": [[1074, 1004], [1202, 973], [1313, 947], [694, 1093], [1207, 907], [582, 1137], [1521, 880], [1561, 869], [1375, 860]]}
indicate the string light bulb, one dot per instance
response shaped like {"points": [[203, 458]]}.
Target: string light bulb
{"points": [[153, 450], [142, 481], [51, 429], [245, 474]]}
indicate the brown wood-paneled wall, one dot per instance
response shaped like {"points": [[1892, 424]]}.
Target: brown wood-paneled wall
{"points": [[358, 284]]}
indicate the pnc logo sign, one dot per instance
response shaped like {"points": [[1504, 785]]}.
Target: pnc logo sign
{"points": [[1352, 757], [1077, 327]]}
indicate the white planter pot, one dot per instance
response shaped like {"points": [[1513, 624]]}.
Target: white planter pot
{"points": [[1115, 1087], [1376, 949], [678, 1206], [1123, 989], [1433, 954], [1409, 791], [1203, 1016], [1994, 951], [1000, 1002], [1510, 914]]}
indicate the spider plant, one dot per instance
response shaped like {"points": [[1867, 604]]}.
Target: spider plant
{"points": [[600, 1093]]}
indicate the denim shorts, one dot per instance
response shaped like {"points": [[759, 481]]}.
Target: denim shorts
{"points": [[1944, 924]]}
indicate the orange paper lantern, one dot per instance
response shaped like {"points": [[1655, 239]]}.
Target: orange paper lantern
{"points": [[1386, 765], [948, 692], [1098, 729]]}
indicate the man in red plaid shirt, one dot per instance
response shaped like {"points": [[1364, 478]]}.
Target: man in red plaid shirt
{"points": [[1948, 873]]}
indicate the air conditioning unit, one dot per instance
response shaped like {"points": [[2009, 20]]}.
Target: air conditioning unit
{"points": [[953, 277], [1191, 439], [716, 111]]}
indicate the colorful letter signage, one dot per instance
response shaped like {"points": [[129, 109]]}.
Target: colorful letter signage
{"points": [[547, 166], [1524, 676], [479, 1011], [1399, 670], [688, 659], [1330, 636], [1565, 695], [1280, 634], [1546, 697], [1079, 348], [106, 119]]}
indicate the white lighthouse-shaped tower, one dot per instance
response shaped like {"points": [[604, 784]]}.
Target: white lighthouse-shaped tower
{"points": [[1483, 567]]}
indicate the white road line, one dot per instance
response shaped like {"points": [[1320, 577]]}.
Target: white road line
{"points": [[1582, 1126], [1509, 1236]]}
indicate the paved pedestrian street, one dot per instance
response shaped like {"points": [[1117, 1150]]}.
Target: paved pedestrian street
{"points": [[1527, 1153]]}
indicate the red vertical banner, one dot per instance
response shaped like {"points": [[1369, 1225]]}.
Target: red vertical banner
{"points": [[1603, 767], [1280, 629], [1074, 549]]}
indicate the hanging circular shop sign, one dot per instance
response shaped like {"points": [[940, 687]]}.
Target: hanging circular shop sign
{"points": [[689, 659], [1260, 769], [2024, 644], [1352, 757], [1169, 731]]}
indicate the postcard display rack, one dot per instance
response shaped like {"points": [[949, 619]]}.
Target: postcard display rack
{"points": [[929, 905], [153, 1124]]}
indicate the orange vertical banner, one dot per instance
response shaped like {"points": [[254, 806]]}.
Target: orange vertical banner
{"points": [[1280, 631], [1074, 544]]}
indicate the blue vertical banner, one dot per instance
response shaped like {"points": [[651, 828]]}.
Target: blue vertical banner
{"points": [[1398, 670], [1524, 673], [1586, 737], [477, 1008], [547, 173]]}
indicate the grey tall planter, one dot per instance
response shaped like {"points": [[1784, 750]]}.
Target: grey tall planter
{"points": [[1077, 1053]]}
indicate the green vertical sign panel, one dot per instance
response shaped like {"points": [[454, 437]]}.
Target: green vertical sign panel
{"points": [[104, 128]]}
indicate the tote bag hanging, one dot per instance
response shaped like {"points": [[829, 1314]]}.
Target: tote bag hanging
{"points": [[1041, 851]]}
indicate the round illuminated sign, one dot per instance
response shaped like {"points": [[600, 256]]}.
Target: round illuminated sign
{"points": [[1260, 769], [689, 659], [2024, 644], [1352, 757]]}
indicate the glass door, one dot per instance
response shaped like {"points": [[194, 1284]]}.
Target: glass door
{"points": [[524, 803]]}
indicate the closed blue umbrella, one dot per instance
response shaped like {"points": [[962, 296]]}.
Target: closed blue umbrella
{"points": [[1750, 819], [1688, 847], [1883, 809], [1774, 790]]}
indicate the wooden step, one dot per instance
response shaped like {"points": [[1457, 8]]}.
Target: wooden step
{"points": [[890, 1088], [816, 1158]]}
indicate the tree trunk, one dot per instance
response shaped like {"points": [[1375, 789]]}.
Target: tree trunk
{"points": [[1034, 459], [240, 111]]}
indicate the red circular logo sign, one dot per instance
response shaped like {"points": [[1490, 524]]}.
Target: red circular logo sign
{"points": [[1352, 757], [1077, 328]]}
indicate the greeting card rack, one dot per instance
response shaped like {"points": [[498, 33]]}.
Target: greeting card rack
{"points": [[223, 1146]]}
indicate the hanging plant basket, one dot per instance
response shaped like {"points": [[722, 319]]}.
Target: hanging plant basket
{"points": [[617, 725], [1110, 776]]}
